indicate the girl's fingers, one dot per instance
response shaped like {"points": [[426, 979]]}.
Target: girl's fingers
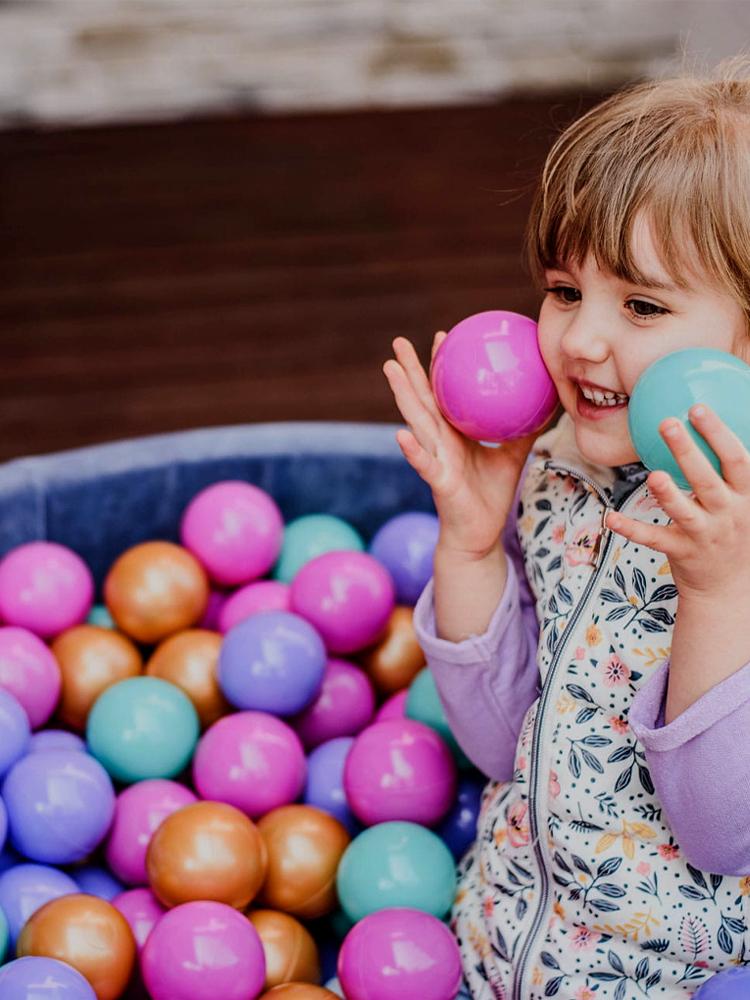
{"points": [[407, 358], [653, 535], [420, 420], [734, 457], [709, 488], [436, 342], [420, 460], [677, 504]]}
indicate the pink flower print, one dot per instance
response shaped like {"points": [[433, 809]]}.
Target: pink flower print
{"points": [[580, 652], [558, 533], [584, 993], [554, 785], [518, 826], [618, 723], [646, 502], [583, 938], [643, 868], [581, 549], [522, 763], [489, 907], [615, 671], [669, 851]]}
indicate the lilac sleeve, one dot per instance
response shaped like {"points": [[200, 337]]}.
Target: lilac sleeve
{"points": [[487, 682], [699, 765]]}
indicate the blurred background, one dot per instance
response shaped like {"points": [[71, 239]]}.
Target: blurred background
{"points": [[218, 213]]}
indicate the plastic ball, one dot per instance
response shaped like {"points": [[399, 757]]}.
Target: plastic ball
{"points": [[87, 933], [43, 979], [344, 705], [235, 529], [394, 662], [142, 910], [423, 704], [731, 984], [304, 846], [190, 661], [347, 596], [251, 760], [201, 951], [299, 991], [399, 770], [262, 595], [396, 864], [97, 881], [489, 378], [325, 781], [143, 727], [405, 545], [674, 383], [393, 707], [91, 659], [3, 823], [15, 732], [335, 987], [139, 810], [30, 672], [214, 606], [99, 615], [55, 739], [60, 805], [310, 536], [290, 951], [459, 827], [44, 587], [26, 887], [156, 589], [272, 662], [207, 850]]}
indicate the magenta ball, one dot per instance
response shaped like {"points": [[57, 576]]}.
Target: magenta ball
{"points": [[45, 587], [344, 706], [489, 378], [235, 530], [250, 760], [142, 910], [216, 601], [201, 951], [139, 809], [348, 596], [399, 770], [399, 954], [261, 595], [29, 670], [393, 708]]}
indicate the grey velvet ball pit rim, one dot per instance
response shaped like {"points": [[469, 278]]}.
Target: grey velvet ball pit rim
{"points": [[100, 500]]}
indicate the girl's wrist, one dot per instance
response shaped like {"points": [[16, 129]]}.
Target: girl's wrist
{"points": [[448, 552]]}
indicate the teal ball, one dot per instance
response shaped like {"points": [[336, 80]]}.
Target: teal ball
{"points": [[312, 535], [423, 704]]}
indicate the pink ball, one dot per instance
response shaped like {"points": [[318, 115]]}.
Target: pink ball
{"points": [[399, 770], [348, 597], [235, 530], [45, 587], [344, 706], [399, 954], [263, 595], [489, 378], [139, 809], [393, 708], [142, 910], [216, 601], [201, 951], [251, 760], [29, 670]]}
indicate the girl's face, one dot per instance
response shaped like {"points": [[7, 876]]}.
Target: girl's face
{"points": [[598, 332]]}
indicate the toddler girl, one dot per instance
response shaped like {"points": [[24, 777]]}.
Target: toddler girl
{"points": [[588, 622]]}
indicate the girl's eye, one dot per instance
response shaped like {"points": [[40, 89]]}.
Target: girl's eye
{"points": [[564, 293], [643, 309]]}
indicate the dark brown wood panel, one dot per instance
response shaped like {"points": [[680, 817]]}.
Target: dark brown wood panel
{"points": [[198, 273]]}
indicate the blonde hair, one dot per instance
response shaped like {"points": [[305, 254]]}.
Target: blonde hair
{"points": [[676, 150]]}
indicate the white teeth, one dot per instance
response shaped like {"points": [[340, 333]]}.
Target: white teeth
{"points": [[603, 397]]}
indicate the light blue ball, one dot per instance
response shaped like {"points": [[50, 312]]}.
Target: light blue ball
{"points": [[312, 535], [674, 383], [4, 936], [396, 864], [100, 616], [143, 727], [424, 705]]}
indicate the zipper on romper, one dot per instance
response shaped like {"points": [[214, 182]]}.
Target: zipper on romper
{"points": [[601, 550]]}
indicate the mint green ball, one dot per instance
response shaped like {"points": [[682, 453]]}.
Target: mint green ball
{"points": [[99, 615], [312, 535], [4, 936], [423, 704], [396, 864], [142, 727]]}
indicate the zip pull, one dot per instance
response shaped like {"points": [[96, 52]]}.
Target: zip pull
{"points": [[603, 532]]}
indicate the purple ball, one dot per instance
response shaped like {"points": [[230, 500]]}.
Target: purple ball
{"points": [[55, 739], [272, 662], [45, 587], [405, 545], [34, 978], [348, 597], [97, 881], [250, 760], [377, 959], [489, 378], [344, 705], [399, 770], [325, 781], [459, 828], [201, 951], [731, 984], [142, 910], [24, 888], [60, 805], [14, 732]]}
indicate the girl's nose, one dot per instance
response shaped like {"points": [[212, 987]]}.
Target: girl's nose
{"points": [[586, 336]]}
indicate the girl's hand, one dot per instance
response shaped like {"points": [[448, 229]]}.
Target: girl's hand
{"points": [[472, 485], [708, 541]]}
